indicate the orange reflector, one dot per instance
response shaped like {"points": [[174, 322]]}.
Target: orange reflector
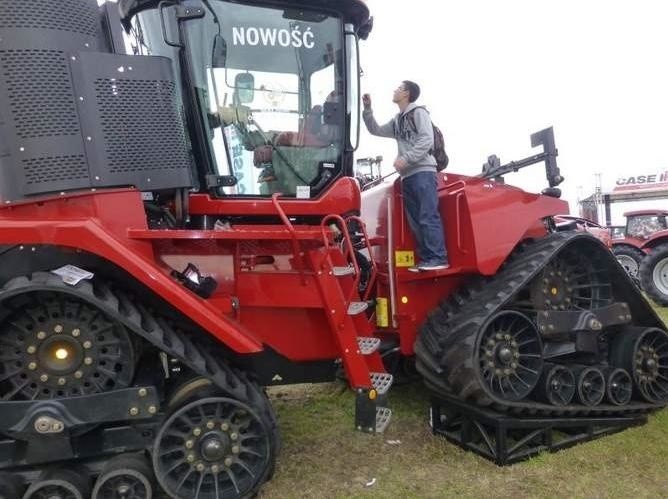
{"points": [[373, 394]]}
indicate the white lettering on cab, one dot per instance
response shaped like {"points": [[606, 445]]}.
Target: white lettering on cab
{"points": [[270, 37]]}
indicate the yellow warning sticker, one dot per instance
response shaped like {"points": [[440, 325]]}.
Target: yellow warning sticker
{"points": [[382, 316], [404, 258]]}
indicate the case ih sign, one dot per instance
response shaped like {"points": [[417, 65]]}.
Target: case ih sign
{"points": [[649, 181]]}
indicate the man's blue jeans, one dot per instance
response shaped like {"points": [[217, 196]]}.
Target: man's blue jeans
{"points": [[421, 202]]}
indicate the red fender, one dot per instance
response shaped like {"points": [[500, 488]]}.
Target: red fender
{"points": [[98, 223]]}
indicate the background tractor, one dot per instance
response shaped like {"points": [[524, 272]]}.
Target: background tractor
{"points": [[180, 227], [645, 234]]}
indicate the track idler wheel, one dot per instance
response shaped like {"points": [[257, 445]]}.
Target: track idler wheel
{"points": [[590, 383], [556, 385], [619, 386], [643, 352], [60, 483], [125, 477], [212, 448], [572, 281], [11, 486], [510, 355]]}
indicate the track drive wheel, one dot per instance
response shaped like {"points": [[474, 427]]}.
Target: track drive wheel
{"points": [[654, 274], [125, 477], [60, 483], [643, 352], [629, 258], [212, 448]]}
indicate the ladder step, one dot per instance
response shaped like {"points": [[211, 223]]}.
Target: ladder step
{"points": [[343, 271], [357, 307], [368, 345], [383, 417], [381, 382]]}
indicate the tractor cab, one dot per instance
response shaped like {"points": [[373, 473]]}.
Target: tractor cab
{"points": [[270, 89], [642, 224]]}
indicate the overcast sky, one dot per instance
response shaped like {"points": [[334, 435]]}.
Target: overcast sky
{"points": [[492, 72]]}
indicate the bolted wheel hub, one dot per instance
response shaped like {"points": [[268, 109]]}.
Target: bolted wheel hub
{"points": [[215, 447], [53, 346], [60, 355], [647, 365], [505, 354]]}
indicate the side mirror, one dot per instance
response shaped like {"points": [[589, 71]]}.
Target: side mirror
{"points": [[365, 30], [244, 84], [219, 55]]}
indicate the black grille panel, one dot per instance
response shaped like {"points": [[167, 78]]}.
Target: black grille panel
{"points": [[55, 169], [142, 128], [76, 16], [40, 93]]}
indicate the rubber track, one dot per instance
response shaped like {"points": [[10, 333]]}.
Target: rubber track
{"points": [[446, 344], [159, 332]]}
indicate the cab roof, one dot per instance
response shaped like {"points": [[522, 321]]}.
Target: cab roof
{"points": [[638, 213], [354, 11]]}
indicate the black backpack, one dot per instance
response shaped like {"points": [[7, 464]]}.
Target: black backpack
{"points": [[438, 151]]}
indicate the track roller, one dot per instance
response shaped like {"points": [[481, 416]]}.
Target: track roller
{"points": [[125, 477], [619, 386], [556, 385], [643, 352], [11, 486], [60, 483], [590, 384]]}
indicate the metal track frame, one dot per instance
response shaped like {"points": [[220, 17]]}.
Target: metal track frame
{"points": [[505, 439]]}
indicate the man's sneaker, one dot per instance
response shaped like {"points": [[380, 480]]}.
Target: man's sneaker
{"points": [[426, 267]]}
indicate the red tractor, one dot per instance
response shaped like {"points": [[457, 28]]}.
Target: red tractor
{"points": [[181, 227], [645, 234], [584, 224]]}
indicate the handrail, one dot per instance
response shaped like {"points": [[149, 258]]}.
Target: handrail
{"points": [[458, 201], [349, 254], [450, 187], [295, 242], [374, 268]]}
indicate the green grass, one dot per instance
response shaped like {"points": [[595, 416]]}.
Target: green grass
{"points": [[323, 457]]}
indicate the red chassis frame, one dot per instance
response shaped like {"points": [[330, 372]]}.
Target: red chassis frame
{"points": [[271, 287]]}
